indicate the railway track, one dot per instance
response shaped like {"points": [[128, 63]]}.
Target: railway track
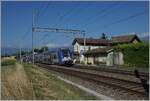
{"points": [[106, 69], [123, 85]]}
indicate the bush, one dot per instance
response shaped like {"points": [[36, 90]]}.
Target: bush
{"points": [[89, 63], [82, 62], [135, 54], [77, 61], [8, 62], [100, 62]]}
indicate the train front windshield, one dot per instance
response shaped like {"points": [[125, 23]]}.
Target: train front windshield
{"points": [[65, 52]]}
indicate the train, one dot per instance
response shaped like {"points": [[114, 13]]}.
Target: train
{"points": [[60, 56]]}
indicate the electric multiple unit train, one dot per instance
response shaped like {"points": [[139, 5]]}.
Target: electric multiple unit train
{"points": [[61, 56]]}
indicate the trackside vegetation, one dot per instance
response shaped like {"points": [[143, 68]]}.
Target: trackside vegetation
{"points": [[6, 62], [28, 82], [135, 54]]}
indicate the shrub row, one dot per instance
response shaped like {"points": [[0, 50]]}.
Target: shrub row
{"points": [[8, 62], [135, 54]]}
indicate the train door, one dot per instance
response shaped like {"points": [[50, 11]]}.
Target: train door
{"points": [[54, 58]]}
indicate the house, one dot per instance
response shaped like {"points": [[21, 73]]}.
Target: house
{"points": [[90, 44], [96, 56], [96, 50], [126, 39]]}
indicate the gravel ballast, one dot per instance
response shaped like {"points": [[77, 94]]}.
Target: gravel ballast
{"points": [[111, 92]]}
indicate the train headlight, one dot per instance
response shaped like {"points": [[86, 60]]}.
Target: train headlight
{"points": [[64, 59], [69, 58]]}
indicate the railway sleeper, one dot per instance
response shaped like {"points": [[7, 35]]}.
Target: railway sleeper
{"points": [[101, 76], [99, 81], [84, 76]]}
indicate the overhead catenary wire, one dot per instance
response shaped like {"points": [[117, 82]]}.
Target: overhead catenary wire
{"points": [[44, 39], [21, 44], [39, 10], [26, 33], [67, 13], [38, 13], [103, 16], [62, 17], [43, 10], [73, 9], [125, 19], [122, 20], [79, 9], [101, 13]]}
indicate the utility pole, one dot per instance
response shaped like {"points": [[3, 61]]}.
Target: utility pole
{"points": [[33, 37], [84, 43], [4, 51], [44, 42], [84, 40], [20, 54], [56, 30]]}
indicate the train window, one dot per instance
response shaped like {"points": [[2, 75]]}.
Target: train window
{"points": [[65, 52], [55, 56]]}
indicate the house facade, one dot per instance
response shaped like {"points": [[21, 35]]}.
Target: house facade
{"points": [[98, 51], [96, 56], [90, 44]]}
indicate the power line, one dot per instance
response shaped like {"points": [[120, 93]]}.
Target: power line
{"points": [[95, 21], [68, 13], [40, 8], [125, 19], [80, 10], [43, 10], [26, 33], [63, 15], [101, 13]]}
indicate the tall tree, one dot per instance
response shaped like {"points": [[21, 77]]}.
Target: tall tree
{"points": [[36, 50], [44, 48], [103, 36]]}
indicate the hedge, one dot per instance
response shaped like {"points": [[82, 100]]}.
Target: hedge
{"points": [[135, 54]]}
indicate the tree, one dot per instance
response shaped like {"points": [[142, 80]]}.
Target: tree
{"points": [[103, 36], [36, 50], [44, 48]]}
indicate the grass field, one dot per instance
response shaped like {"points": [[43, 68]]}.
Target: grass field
{"points": [[23, 82]]}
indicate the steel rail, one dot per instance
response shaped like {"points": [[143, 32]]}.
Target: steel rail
{"points": [[119, 71], [133, 87]]}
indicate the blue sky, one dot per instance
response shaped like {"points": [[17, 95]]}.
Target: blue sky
{"points": [[112, 18]]}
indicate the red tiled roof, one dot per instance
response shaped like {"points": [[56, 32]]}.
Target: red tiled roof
{"points": [[97, 51], [114, 40], [124, 39], [91, 41]]}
